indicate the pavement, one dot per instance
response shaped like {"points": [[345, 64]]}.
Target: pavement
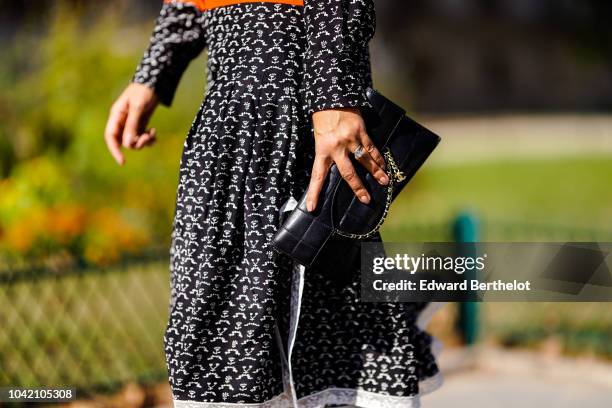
{"points": [[482, 377], [496, 378], [471, 139]]}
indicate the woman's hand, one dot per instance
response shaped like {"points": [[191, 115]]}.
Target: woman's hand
{"points": [[339, 133], [128, 120]]}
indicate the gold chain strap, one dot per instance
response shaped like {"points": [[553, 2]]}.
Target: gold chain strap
{"points": [[395, 176]]}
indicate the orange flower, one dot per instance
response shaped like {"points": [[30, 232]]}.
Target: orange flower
{"points": [[109, 236], [19, 238], [21, 235], [65, 223]]}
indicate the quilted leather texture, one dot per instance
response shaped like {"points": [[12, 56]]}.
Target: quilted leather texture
{"points": [[303, 235]]}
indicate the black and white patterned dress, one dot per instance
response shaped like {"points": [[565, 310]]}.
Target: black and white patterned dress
{"points": [[246, 327]]}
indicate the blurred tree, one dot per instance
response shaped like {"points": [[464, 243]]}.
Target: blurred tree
{"points": [[61, 194], [483, 55]]}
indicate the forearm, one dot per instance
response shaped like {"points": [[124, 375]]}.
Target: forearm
{"points": [[178, 37]]}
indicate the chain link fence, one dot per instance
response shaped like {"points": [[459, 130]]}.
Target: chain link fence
{"points": [[93, 329]]}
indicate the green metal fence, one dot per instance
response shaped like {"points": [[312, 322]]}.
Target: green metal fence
{"points": [[97, 328]]}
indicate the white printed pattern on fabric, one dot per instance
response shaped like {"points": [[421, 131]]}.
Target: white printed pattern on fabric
{"points": [[248, 150]]}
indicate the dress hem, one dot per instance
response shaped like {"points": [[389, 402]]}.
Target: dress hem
{"points": [[335, 396]]}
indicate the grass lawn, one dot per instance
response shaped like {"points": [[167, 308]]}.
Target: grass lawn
{"points": [[570, 192]]}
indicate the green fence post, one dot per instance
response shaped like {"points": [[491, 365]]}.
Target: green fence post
{"points": [[465, 229]]}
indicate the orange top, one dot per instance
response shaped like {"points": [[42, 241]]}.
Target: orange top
{"points": [[210, 4]]}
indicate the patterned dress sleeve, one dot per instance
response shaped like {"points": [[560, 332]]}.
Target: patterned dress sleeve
{"points": [[177, 39], [337, 61]]}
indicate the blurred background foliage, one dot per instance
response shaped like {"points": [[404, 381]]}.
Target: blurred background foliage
{"points": [[496, 55], [62, 199]]}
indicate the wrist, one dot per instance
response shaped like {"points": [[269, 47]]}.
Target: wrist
{"points": [[330, 122]]}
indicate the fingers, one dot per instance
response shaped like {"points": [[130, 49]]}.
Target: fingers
{"points": [[320, 169], [146, 139], [372, 151], [114, 131], [133, 125], [128, 119], [347, 170], [123, 125], [338, 132], [368, 161]]}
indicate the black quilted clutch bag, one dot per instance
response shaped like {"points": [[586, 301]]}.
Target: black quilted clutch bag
{"points": [[405, 145]]}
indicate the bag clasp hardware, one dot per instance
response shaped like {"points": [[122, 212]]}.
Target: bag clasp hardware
{"points": [[394, 169]]}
